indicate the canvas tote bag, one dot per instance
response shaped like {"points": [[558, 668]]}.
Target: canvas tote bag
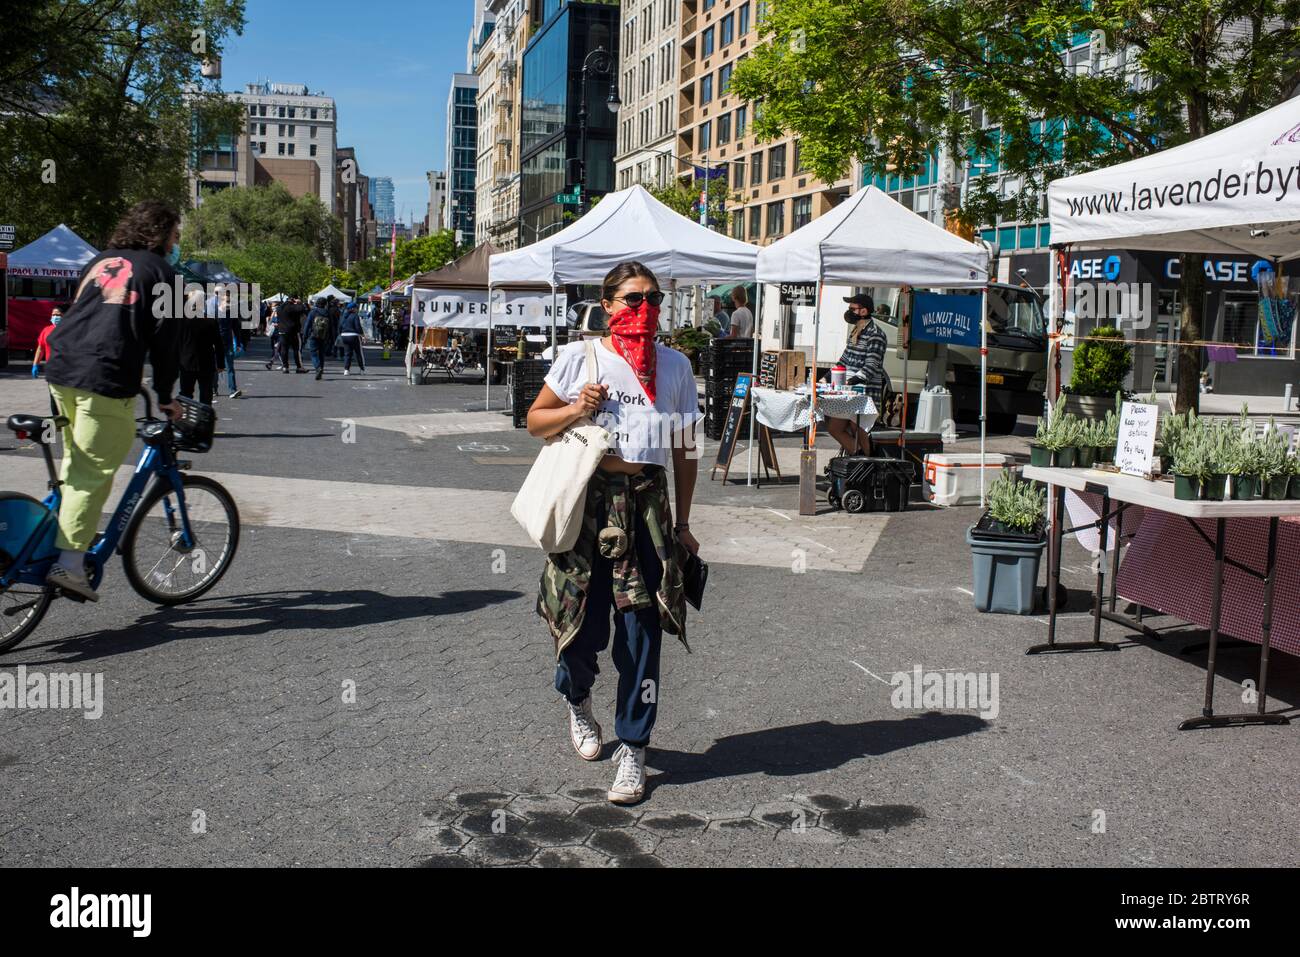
{"points": [[550, 504]]}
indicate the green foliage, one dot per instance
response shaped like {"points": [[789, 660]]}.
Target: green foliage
{"points": [[882, 81], [684, 198], [276, 267], [1101, 362], [235, 218], [416, 255], [690, 340], [1016, 504], [94, 114]]}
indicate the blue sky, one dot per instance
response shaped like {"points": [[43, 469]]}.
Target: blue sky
{"points": [[387, 63]]}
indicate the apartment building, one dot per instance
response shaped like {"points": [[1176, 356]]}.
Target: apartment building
{"points": [[353, 204], [462, 154], [435, 221], [502, 196], [485, 63], [649, 87], [285, 121], [773, 194]]}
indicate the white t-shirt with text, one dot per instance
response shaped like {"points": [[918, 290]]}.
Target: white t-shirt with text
{"points": [[640, 432]]}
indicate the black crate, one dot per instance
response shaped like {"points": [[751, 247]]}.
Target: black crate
{"points": [[917, 446]]}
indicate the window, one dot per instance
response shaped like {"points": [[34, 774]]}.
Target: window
{"points": [[802, 211], [313, 132], [281, 149], [742, 114], [776, 162], [724, 77], [313, 112], [755, 222], [737, 174], [706, 44], [776, 218], [756, 169], [706, 89], [281, 114], [261, 110], [282, 129], [728, 30], [724, 129], [706, 134], [290, 149], [252, 110], [708, 5], [292, 112], [744, 19], [313, 149], [293, 130], [738, 223], [799, 166]]}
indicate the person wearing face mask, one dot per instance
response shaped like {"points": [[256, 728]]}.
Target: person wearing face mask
{"points": [[864, 363], [43, 342], [96, 366], [627, 564]]}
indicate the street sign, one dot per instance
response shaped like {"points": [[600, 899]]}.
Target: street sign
{"points": [[7, 235], [798, 293], [569, 199]]}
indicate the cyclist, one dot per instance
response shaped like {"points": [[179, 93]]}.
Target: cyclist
{"points": [[99, 351]]}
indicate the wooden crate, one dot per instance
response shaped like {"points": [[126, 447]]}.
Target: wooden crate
{"points": [[783, 369]]}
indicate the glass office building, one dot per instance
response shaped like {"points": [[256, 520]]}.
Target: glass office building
{"points": [[552, 78], [462, 154]]}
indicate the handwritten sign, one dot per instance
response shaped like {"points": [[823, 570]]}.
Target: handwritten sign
{"points": [[951, 319], [1137, 438]]}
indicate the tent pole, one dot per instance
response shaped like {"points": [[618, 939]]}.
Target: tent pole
{"points": [[984, 385], [487, 357], [753, 380], [817, 321], [672, 305], [554, 308]]}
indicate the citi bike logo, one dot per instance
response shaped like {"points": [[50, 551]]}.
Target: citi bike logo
{"points": [[127, 511]]}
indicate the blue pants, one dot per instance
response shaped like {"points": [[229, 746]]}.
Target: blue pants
{"points": [[637, 640], [317, 347], [228, 345]]}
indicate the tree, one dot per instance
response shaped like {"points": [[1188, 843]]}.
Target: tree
{"points": [[263, 214], [428, 252], [683, 197], [95, 109], [883, 81], [295, 270]]}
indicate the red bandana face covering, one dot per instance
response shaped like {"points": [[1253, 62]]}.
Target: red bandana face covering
{"points": [[634, 339]]}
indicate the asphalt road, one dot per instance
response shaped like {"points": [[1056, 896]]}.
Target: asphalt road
{"points": [[370, 685]]}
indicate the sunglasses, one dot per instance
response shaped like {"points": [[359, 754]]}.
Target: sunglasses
{"points": [[634, 299]]}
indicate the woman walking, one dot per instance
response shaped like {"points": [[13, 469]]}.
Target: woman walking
{"points": [[350, 337], [627, 563]]}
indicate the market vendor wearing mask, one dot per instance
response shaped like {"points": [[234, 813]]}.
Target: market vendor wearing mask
{"points": [[43, 342], [864, 363], [627, 564]]}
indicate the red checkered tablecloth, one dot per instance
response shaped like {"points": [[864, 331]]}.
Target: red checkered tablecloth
{"points": [[1171, 569]]}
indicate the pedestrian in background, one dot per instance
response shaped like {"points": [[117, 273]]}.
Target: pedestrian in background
{"points": [[43, 342], [350, 337], [292, 313], [227, 325], [317, 335], [200, 355]]}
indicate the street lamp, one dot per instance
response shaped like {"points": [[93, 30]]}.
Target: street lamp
{"points": [[599, 62]]}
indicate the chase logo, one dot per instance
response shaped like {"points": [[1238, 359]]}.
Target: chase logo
{"points": [[1110, 268]]}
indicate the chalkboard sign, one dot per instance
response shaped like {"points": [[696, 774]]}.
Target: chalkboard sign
{"points": [[735, 412]]}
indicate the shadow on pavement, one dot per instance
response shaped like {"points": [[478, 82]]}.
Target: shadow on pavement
{"points": [[805, 748], [264, 613]]}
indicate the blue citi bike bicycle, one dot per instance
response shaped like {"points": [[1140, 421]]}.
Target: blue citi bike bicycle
{"points": [[177, 533]]}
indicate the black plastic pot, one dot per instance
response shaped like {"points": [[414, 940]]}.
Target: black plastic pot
{"points": [[1040, 456], [1085, 456], [1275, 488], [1214, 488], [1187, 488], [1245, 487], [1066, 457], [1294, 487]]}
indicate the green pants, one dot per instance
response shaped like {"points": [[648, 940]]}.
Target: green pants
{"points": [[99, 435]]}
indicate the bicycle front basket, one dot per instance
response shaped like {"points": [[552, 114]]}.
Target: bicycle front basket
{"points": [[196, 426]]}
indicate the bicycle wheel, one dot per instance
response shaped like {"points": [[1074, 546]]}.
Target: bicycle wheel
{"points": [[160, 565], [21, 609]]}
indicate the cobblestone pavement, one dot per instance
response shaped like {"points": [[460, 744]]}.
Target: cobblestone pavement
{"points": [[370, 685]]}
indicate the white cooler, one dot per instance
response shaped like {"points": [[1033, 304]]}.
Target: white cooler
{"points": [[955, 479]]}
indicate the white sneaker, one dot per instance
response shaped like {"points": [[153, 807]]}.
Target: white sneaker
{"points": [[629, 779], [237, 393], [71, 582], [346, 372], [584, 732]]}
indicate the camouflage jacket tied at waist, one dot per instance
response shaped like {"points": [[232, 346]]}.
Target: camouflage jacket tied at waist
{"points": [[562, 599]]}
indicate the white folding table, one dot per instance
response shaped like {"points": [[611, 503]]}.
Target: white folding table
{"points": [[1129, 490]]}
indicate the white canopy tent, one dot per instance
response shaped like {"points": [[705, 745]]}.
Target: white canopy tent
{"points": [[332, 292], [278, 297], [872, 240], [59, 254], [1234, 191], [628, 224]]}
